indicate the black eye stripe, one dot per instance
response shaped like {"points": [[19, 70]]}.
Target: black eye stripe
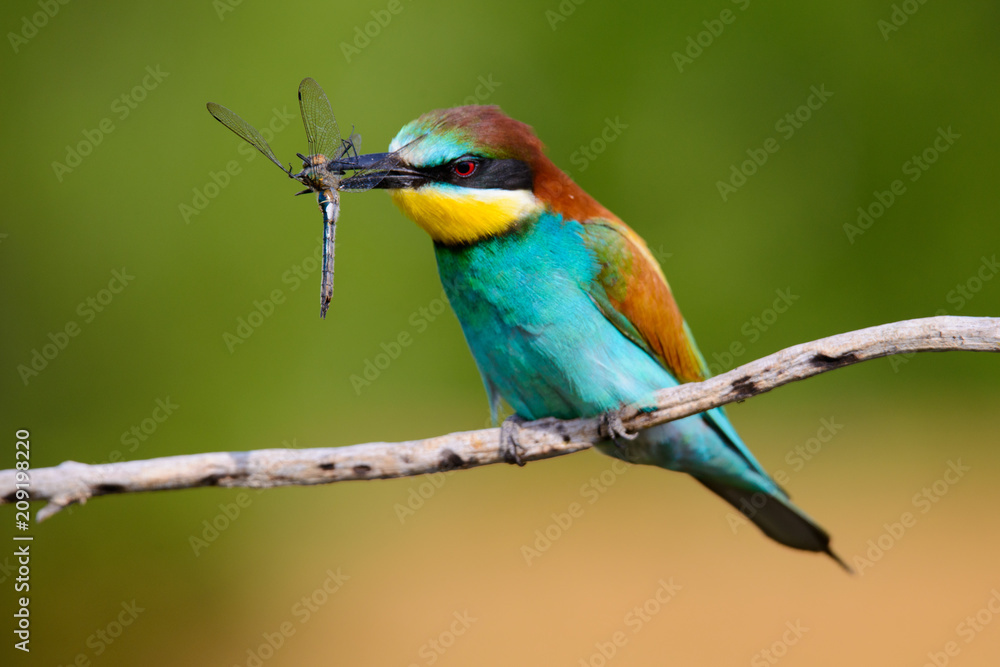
{"points": [[489, 173]]}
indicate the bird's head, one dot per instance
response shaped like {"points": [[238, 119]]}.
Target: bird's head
{"points": [[468, 173]]}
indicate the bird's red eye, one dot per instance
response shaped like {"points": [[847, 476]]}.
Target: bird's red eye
{"points": [[464, 168]]}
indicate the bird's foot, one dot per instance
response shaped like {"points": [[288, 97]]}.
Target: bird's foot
{"points": [[510, 448], [612, 428]]}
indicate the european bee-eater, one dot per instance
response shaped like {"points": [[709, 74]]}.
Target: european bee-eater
{"points": [[566, 311]]}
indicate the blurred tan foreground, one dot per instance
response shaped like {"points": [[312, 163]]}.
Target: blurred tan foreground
{"points": [[604, 565]]}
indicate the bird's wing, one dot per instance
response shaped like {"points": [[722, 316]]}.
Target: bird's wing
{"points": [[633, 294], [631, 291]]}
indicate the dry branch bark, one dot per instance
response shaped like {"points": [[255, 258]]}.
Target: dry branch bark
{"points": [[73, 482]]}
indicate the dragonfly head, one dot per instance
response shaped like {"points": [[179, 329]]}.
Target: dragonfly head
{"points": [[316, 174]]}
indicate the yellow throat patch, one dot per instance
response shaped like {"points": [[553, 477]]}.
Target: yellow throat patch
{"points": [[454, 216]]}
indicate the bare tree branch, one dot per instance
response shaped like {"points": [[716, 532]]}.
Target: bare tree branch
{"points": [[72, 482]]}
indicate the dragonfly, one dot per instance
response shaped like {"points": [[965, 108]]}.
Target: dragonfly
{"points": [[322, 169]]}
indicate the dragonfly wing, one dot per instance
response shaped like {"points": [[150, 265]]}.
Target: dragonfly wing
{"points": [[243, 130], [351, 145], [318, 119]]}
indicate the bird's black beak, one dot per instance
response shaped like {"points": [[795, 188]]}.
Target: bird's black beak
{"points": [[377, 170]]}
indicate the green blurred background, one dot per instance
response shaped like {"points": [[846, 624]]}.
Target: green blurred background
{"points": [[449, 583]]}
